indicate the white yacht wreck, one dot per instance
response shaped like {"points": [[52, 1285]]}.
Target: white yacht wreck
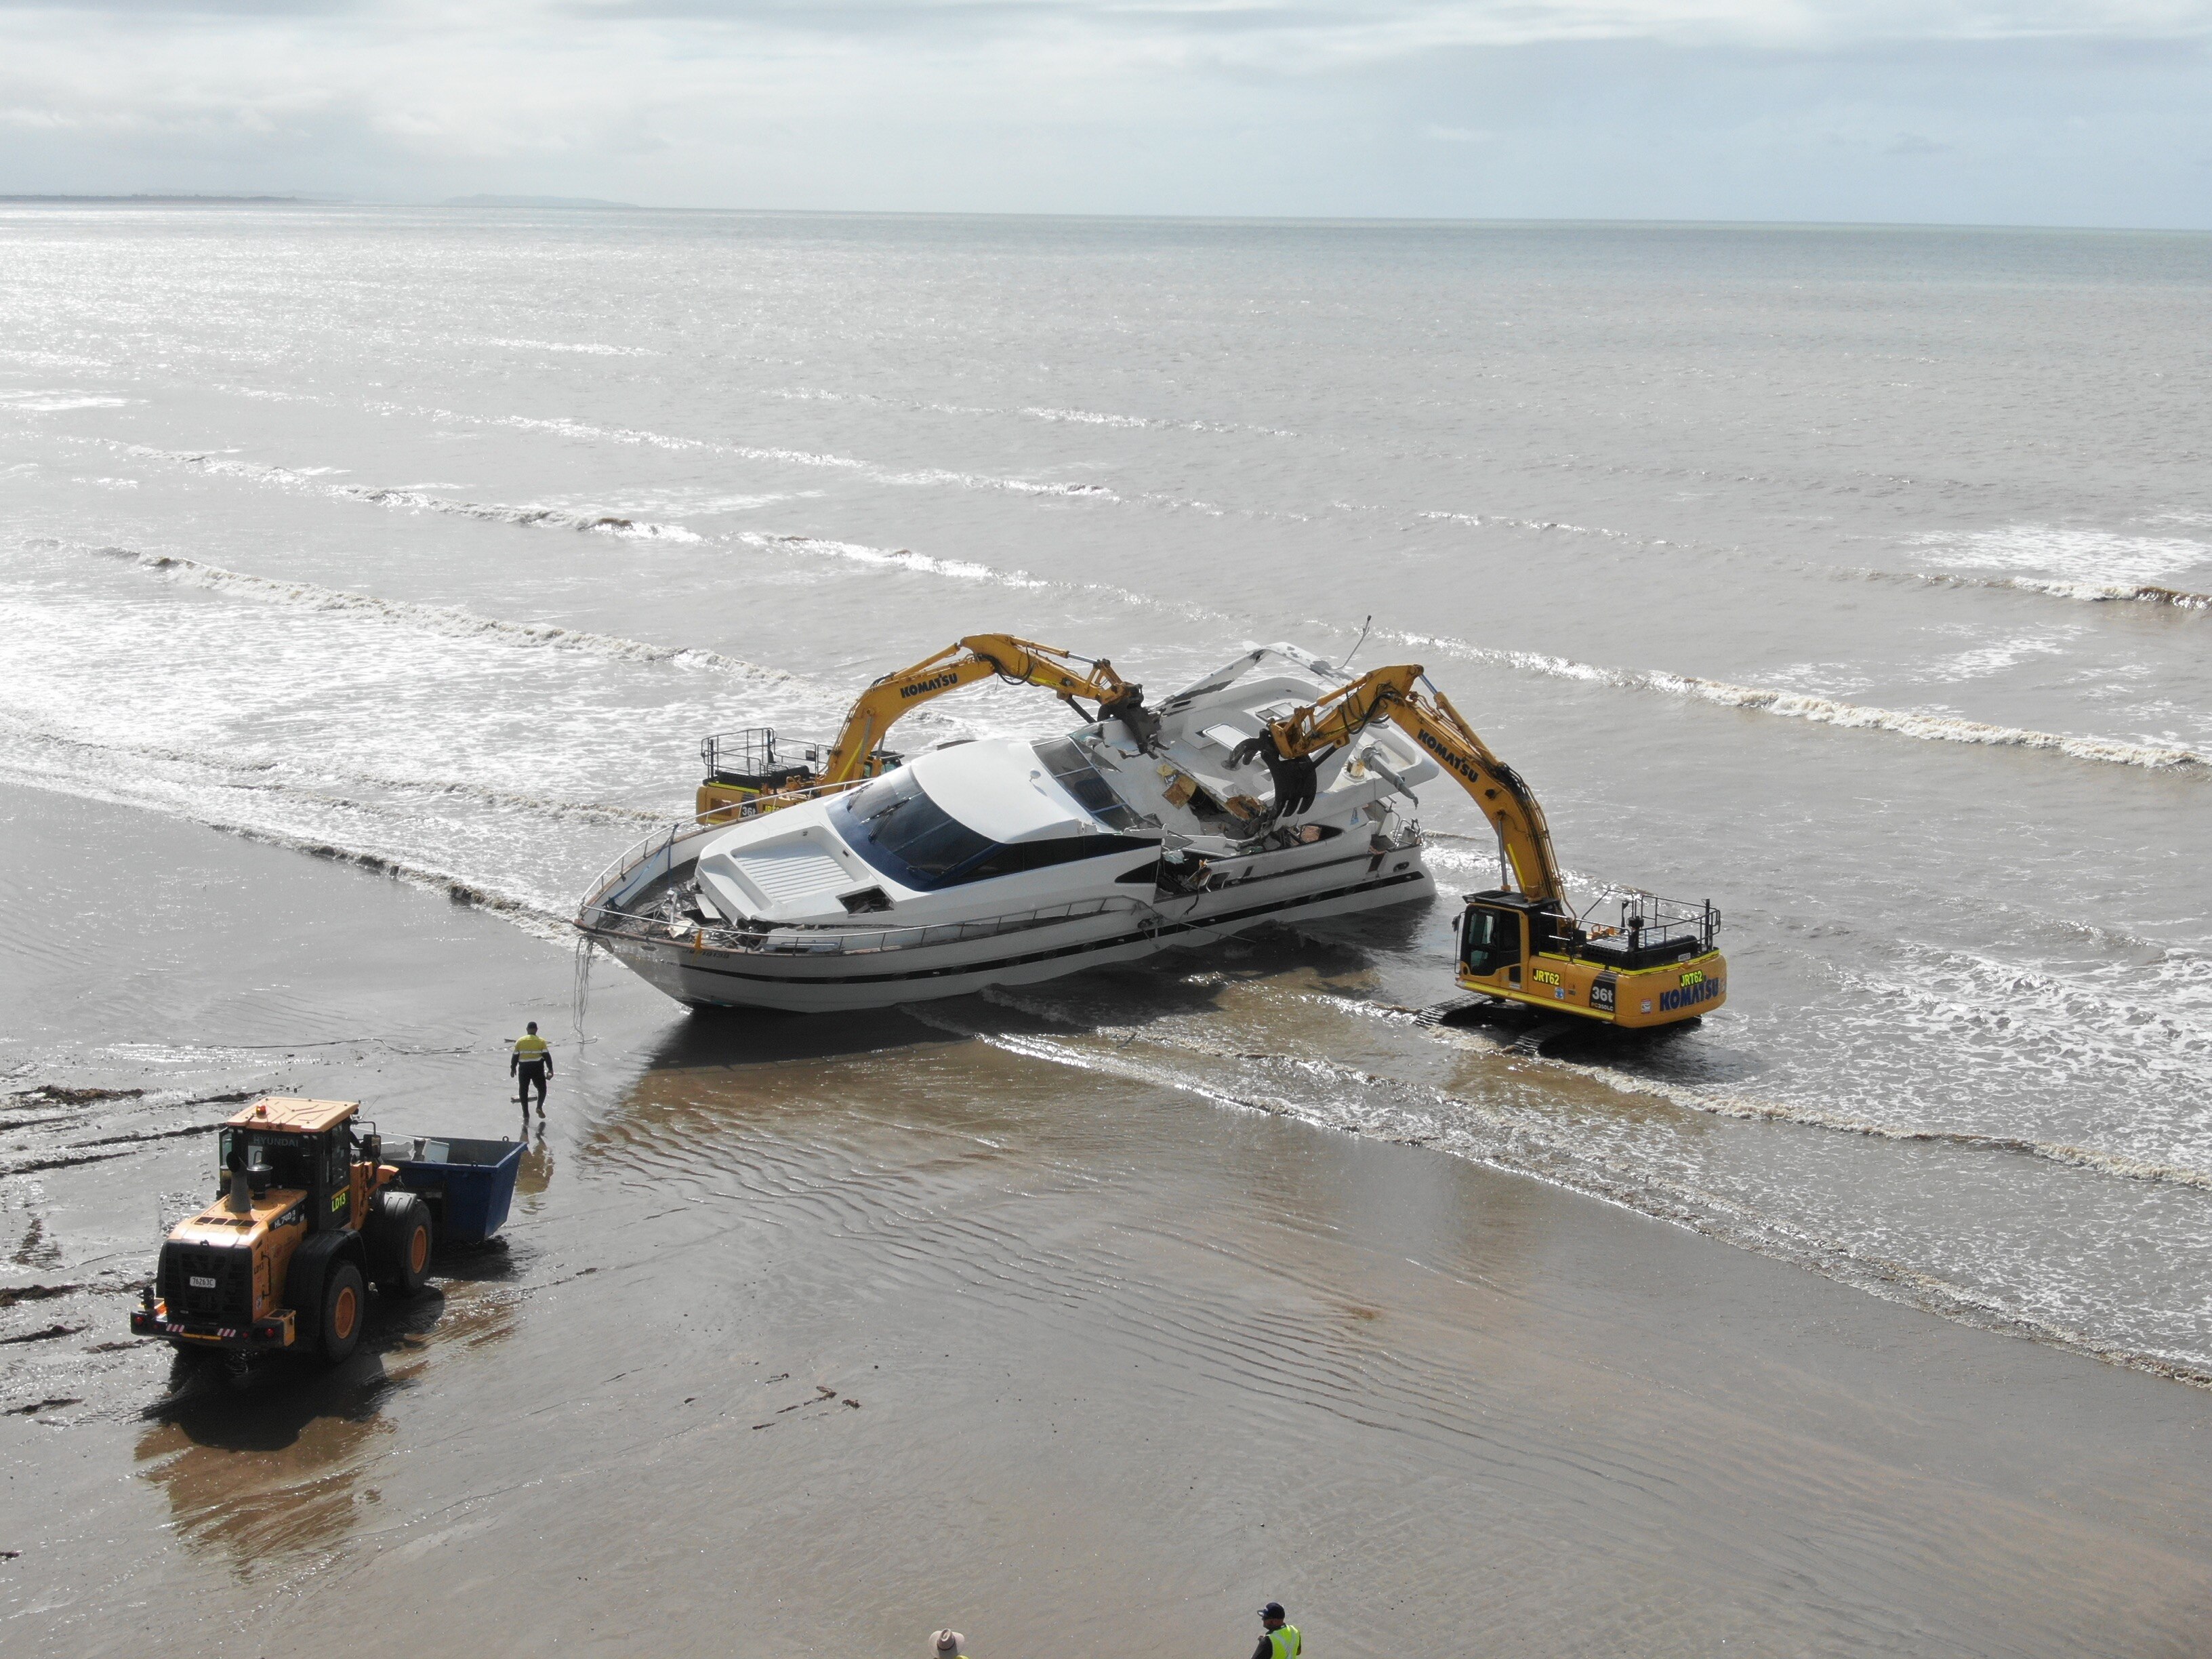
{"points": [[861, 878]]}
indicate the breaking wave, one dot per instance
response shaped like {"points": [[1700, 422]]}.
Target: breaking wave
{"points": [[967, 570], [1789, 705], [566, 345], [55, 403], [530, 917], [2093, 593], [1731, 1104], [432, 618], [1549, 527], [869, 470], [1823, 711], [897, 558], [257, 776], [1718, 1105], [605, 523], [1147, 422], [1072, 416], [1355, 1101], [2095, 556]]}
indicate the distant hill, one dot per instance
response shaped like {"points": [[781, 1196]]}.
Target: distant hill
{"points": [[534, 201], [162, 196]]}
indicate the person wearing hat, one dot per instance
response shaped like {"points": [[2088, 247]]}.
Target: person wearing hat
{"points": [[1278, 1638], [948, 1645], [531, 1061]]}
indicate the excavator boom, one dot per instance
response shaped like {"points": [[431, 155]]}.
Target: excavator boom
{"points": [[1656, 967], [768, 780], [1401, 696], [978, 657]]}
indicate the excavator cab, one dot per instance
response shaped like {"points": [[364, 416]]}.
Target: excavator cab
{"points": [[1655, 965], [1493, 939]]}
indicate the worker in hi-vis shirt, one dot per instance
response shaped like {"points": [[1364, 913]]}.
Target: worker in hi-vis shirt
{"points": [[1279, 1637], [531, 1063]]}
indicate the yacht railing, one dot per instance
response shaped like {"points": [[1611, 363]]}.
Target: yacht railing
{"points": [[609, 910], [627, 871], [811, 939]]}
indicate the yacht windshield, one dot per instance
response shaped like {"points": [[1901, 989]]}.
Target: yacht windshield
{"points": [[893, 824], [1072, 772]]}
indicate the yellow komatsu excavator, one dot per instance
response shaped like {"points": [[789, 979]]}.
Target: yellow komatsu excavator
{"points": [[1655, 965], [753, 771]]}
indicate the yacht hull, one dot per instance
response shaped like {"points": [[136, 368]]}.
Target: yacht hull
{"points": [[698, 971]]}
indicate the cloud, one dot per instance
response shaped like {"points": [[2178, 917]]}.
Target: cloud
{"points": [[1578, 108]]}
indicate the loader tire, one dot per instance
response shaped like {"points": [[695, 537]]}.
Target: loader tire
{"points": [[345, 1309], [399, 1240]]}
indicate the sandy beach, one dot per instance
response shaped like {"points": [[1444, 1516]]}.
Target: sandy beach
{"points": [[811, 1336]]}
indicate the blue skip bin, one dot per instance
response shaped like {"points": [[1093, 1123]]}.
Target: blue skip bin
{"points": [[468, 1184]]}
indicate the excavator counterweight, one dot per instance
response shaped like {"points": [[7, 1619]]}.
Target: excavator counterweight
{"points": [[1655, 965]]}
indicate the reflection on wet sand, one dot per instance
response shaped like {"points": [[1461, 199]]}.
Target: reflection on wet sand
{"points": [[264, 1469], [1425, 1380], [535, 1175], [271, 1468]]}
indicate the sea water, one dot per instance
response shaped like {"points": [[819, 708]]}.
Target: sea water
{"points": [[1854, 578]]}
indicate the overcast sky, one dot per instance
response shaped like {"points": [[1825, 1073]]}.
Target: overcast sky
{"points": [[2025, 111]]}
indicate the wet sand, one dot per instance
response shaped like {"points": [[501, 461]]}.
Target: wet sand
{"points": [[810, 1336]]}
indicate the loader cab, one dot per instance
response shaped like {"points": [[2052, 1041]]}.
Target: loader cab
{"points": [[312, 1152]]}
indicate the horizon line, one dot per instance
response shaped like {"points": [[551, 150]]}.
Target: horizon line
{"points": [[491, 202]]}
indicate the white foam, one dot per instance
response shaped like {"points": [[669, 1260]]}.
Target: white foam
{"points": [[1087, 418], [925, 476], [587, 349], [53, 403], [52, 359], [895, 558], [258, 776], [1092, 417], [2087, 591], [1824, 711], [439, 619], [307, 480], [969, 571], [1546, 526], [2098, 556], [1981, 660], [1076, 416], [532, 917], [1539, 1144], [265, 394], [1731, 1104]]}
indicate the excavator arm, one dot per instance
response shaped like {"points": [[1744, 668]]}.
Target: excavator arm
{"points": [[760, 778], [1402, 697], [1658, 967], [978, 657]]}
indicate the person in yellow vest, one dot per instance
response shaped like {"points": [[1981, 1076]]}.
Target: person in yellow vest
{"points": [[531, 1063], [1278, 1638]]}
